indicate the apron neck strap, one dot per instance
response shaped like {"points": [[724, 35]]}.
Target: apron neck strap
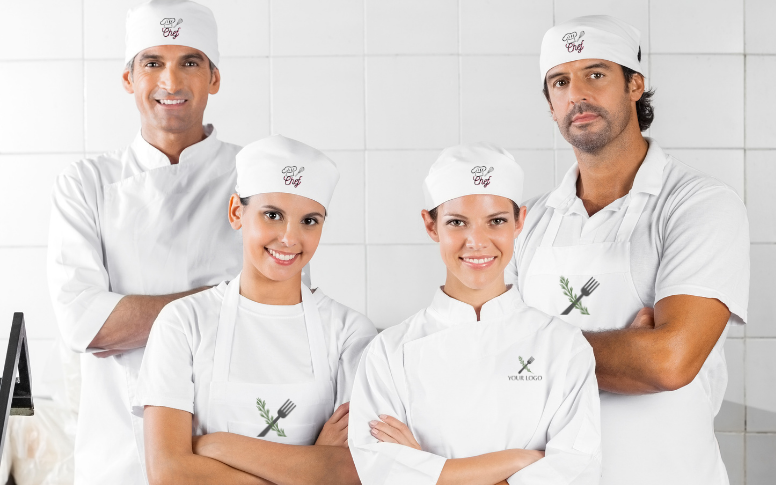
{"points": [[318, 351]]}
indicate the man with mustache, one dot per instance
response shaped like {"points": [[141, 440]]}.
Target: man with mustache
{"points": [[648, 256], [133, 229]]}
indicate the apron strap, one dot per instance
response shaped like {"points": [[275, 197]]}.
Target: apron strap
{"points": [[315, 337], [632, 216], [225, 333], [552, 229]]}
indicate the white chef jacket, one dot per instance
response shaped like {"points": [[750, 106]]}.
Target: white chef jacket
{"points": [[692, 239], [558, 413], [178, 363], [108, 446]]}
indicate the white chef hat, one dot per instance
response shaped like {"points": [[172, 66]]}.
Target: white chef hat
{"points": [[592, 37], [280, 164], [171, 22], [473, 169]]}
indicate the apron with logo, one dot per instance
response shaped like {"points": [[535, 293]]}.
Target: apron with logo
{"points": [[468, 393], [664, 438], [249, 409]]}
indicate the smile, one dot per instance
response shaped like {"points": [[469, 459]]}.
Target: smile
{"points": [[170, 101], [479, 263], [282, 258]]}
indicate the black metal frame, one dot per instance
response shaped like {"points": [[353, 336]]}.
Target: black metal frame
{"points": [[16, 385]]}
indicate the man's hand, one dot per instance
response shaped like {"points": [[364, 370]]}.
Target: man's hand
{"points": [[645, 318], [335, 431], [391, 430]]}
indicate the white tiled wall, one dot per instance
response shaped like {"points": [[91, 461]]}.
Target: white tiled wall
{"points": [[382, 86]]}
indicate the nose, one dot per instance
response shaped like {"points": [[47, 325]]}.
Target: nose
{"points": [[290, 236], [477, 238], [577, 90], [170, 79]]}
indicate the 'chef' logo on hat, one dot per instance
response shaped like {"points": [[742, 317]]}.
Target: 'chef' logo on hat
{"points": [[291, 175], [479, 175], [168, 27], [573, 42]]}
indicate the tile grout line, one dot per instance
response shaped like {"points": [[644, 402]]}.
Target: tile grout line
{"points": [[270, 70], [746, 330], [83, 73], [460, 79], [366, 167]]}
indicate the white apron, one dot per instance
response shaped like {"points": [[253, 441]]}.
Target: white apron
{"points": [[153, 246], [237, 407], [665, 438]]}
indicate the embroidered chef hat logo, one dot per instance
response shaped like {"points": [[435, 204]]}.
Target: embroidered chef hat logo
{"points": [[573, 43], [591, 37], [480, 172], [291, 175], [169, 25]]}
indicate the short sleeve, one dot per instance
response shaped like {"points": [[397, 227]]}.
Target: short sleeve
{"points": [[706, 250], [359, 331], [166, 375]]}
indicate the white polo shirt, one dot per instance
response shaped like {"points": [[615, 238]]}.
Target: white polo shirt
{"points": [[691, 239]]}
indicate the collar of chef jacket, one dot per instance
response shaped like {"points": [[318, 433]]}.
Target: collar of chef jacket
{"points": [[451, 311], [649, 179], [150, 157]]}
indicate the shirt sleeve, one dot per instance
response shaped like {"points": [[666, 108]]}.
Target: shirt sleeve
{"points": [[359, 332], [706, 250], [375, 393], [166, 375], [573, 451], [78, 281]]}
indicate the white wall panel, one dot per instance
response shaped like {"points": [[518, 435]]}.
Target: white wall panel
{"points": [[112, 119], [345, 221], [411, 27], [759, 15], [340, 272], [331, 28], [760, 102], [504, 26], [243, 26], [760, 196], [760, 389], [24, 288], [689, 26], [44, 29]]}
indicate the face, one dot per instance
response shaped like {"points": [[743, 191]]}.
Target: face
{"points": [[171, 84], [591, 103], [280, 232], [476, 235]]}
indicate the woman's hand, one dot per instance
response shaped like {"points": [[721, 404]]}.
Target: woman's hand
{"points": [[644, 319], [335, 431], [391, 430]]}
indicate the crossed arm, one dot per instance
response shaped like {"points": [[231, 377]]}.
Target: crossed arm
{"points": [[662, 350], [173, 457]]}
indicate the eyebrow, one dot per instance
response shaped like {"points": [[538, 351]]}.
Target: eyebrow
{"points": [[311, 214], [193, 55], [499, 213], [597, 65], [273, 208], [459, 216]]}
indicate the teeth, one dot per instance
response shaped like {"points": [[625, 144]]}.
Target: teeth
{"points": [[171, 101], [479, 261], [282, 257]]}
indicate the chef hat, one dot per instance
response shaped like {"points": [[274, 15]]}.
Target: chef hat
{"points": [[473, 169], [280, 164], [171, 22], [592, 37]]}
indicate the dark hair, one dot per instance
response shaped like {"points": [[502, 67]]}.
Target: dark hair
{"points": [[244, 201], [644, 109], [515, 208], [131, 66]]}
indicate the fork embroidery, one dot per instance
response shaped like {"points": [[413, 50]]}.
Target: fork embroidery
{"points": [[268, 418]]}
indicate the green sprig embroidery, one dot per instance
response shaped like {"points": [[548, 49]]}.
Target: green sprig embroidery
{"points": [[268, 418], [569, 292]]}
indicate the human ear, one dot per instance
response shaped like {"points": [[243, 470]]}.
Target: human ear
{"points": [[215, 81], [520, 222], [126, 81], [430, 225], [636, 87], [235, 212]]}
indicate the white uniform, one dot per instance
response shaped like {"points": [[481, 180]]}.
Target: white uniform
{"points": [[516, 379], [216, 353], [676, 232], [128, 222]]}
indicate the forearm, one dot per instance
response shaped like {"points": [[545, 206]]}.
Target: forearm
{"points": [[128, 325], [196, 470], [487, 469], [280, 463]]}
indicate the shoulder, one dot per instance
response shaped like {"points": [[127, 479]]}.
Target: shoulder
{"points": [[684, 185], [191, 313], [555, 330], [93, 171], [342, 318], [392, 339]]}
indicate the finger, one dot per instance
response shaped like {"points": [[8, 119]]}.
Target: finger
{"points": [[342, 410], [400, 426], [381, 436], [388, 430]]}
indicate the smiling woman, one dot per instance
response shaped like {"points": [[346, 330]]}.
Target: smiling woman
{"points": [[235, 380], [477, 388]]}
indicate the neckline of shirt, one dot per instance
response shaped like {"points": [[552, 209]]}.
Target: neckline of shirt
{"points": [[649, 179], [264, 310], [151, 157], [454, 311]]}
